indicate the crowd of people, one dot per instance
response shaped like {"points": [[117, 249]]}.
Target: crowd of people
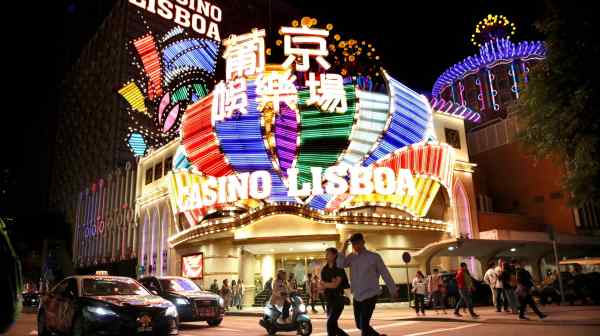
{"points": [[233, 295]]}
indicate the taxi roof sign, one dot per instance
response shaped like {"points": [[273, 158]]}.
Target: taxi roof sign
{"points": [[101, 272]]}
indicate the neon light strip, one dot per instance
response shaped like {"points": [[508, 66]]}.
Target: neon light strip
{"points": [[200, 143], [461, 90], [410, 116], [133, 95], [515, 87], [480, 96], [286, 135], [180, 161], [189, 54], [453, 109], [323, 136], [493, 92], [243, 144], [373, 113], [490, 54], [146, 48]]}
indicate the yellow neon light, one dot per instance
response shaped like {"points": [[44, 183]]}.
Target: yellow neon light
{"points": [[132, 93]]}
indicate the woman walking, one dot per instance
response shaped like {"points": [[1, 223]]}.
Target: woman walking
{"points": [[241, 292], [419, 288], [435, 287], [226, 293], [234, 294]]}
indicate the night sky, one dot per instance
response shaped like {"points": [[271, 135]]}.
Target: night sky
{"points": [[417, 41]]}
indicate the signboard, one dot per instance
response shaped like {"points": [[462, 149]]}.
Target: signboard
{"points": [[406, 257], [295, 133], [192, 266]]}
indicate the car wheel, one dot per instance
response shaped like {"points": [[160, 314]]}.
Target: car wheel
{"points": [[78, 327], [41, 324], [305, 328], [214, 323]]}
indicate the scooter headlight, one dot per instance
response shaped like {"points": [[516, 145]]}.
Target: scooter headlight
{"points": [[221, 302], [302, 308]]}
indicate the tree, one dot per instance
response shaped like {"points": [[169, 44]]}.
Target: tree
{"points": [[560, 105]]}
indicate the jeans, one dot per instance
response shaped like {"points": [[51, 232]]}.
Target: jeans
{"points": [[420, 303], [363, 310], [437, 300], [335, 307], [501, 300], [465, 300], [494, 300], [528, 300]]}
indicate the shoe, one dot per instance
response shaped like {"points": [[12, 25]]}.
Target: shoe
{"points": [[523, 318], [543, 316], [457, 314], [474, 316]]}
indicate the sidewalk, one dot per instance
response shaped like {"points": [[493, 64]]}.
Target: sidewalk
{"points": [[557, 315]]}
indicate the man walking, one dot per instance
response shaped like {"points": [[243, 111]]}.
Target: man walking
{"points": [[501, 300], [523, 292], [465, 287], [490, 278], [365, 269]]}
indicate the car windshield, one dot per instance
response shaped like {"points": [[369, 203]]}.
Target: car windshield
{"points": [[179, 285], [108, 287]]}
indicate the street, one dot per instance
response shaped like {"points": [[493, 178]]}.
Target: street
{"points": [[572, 321]]}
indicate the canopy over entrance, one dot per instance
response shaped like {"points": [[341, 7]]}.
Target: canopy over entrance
{"points": [[513, 244]]}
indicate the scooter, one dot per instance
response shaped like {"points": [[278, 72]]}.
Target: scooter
{"points": [[299, 318]]}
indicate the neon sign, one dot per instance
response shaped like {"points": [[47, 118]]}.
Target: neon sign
{"points": [[297, 133], [201, 16]]}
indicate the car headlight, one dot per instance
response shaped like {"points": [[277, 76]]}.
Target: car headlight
{"points": [[221, 302], [181, 301], [101, 311], [171, 311], [302, 308]]}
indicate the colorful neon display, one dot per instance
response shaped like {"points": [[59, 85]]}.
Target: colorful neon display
{"points": [[457, 110], [175, 70], [500, 51], [491, 28]]}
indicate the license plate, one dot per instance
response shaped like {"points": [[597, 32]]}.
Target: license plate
{"points": [[144, 323], [204, 311]]}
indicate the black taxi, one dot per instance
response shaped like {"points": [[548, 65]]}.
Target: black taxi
{"points": [[105, 305], [193, 304]]}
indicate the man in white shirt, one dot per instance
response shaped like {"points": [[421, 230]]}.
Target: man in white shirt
{"points": [[365, 269], [490, 278]]}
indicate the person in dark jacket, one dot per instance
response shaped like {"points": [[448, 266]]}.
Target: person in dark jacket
{"points": [[333, 282], [523, 292]]}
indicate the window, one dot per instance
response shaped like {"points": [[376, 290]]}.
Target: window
{"points": [[112, 286], [168, 164], [149, 176], [452, 137], [158, 171]]}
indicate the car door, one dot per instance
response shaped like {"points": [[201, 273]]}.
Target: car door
{"points": [[66, 306], [52, 302]]}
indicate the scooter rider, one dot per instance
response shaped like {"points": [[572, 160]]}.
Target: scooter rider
{"points": [[280, 296]]}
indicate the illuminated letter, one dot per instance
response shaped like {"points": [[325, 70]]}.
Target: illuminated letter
{"points": [[385, 180], [182, 17], [203, 8], [165, 9], [405, 184], [215, 13], [151, 6], [360, 181], [213, 31], [222, 189], [182, 2], [198, 29], [293, 183], [317, 187], [209, 192], [237, 187], [336, 184], [265, 184], [139, 3]]}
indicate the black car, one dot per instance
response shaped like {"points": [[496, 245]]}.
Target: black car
{"points": [[105, 305], [31, 300], [193, 304]]}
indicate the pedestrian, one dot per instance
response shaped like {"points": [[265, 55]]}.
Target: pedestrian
{"points": [[501, 299], [279, 296], [313, 291], [319, 293], [214, 287], [333, 282], [226, 293], [508, 278], [490, 278], [419, 289], [241, 293], [292, 283], [435, 287], [366, 268], [465, 285], [523, 291], [234, 294]]}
